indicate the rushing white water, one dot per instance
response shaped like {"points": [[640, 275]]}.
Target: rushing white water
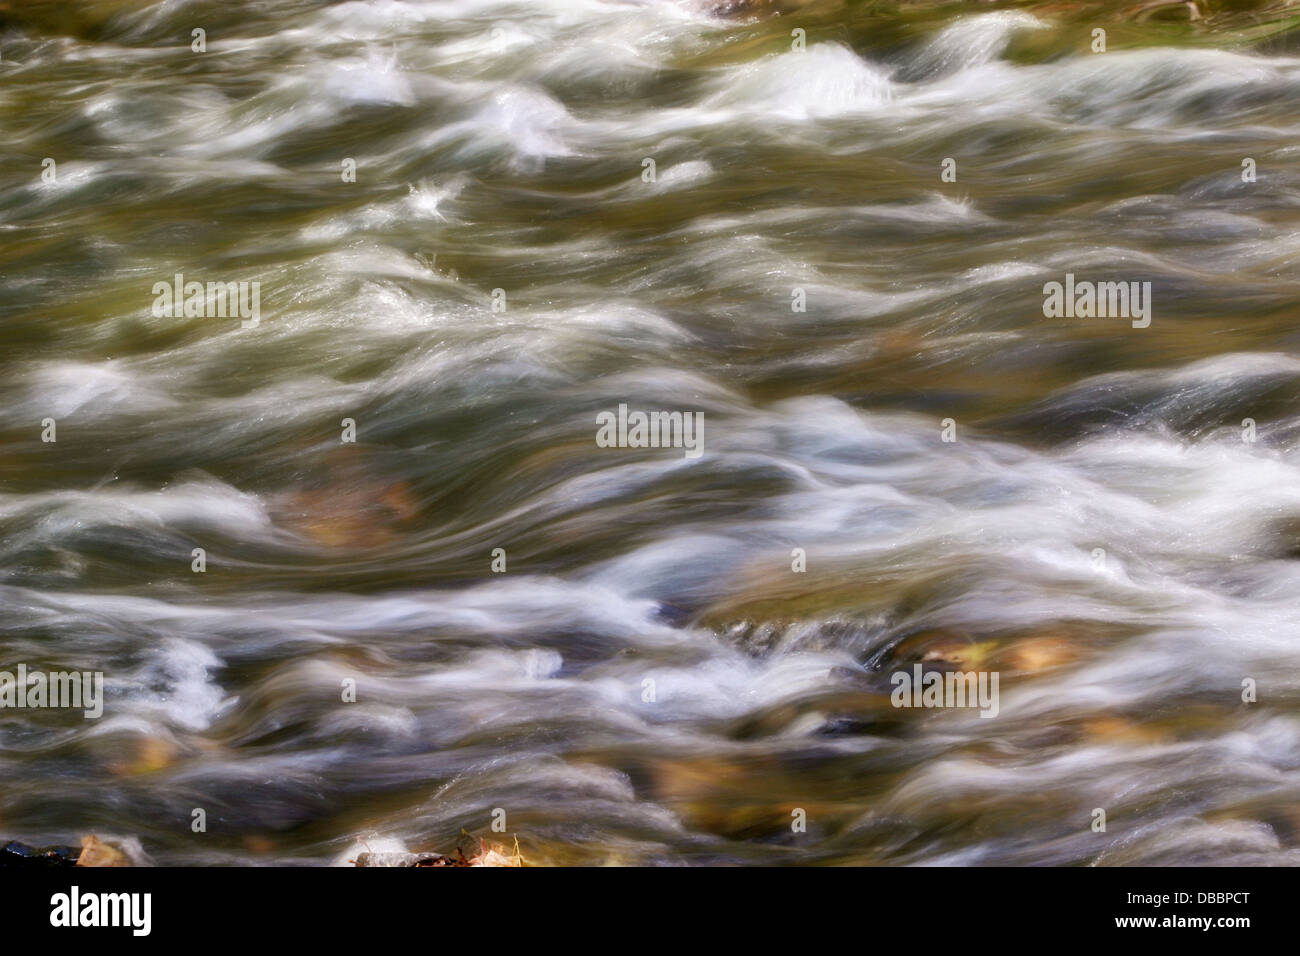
{"points": [[1100, 532]]}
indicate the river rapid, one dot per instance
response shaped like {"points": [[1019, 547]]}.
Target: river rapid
{"points": [[1104, 514]]}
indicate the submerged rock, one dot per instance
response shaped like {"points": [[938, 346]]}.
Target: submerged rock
{"points": [[346, 502]]}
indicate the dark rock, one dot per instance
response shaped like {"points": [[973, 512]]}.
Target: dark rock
{"points": [[19, 854], [407, 859]]}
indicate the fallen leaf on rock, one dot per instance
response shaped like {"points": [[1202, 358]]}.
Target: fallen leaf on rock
{"points": [[95, 852], [495, 856]]}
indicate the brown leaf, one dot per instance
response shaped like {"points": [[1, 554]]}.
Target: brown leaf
{"points": [[95, 852]]}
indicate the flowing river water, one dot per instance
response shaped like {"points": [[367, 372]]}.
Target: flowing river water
{"points": [[650, 680]]}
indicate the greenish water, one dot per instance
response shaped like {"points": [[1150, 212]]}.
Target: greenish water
{"points": [[1101, 533]]}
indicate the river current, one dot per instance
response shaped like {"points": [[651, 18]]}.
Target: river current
{"points": [[475, 227]]}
